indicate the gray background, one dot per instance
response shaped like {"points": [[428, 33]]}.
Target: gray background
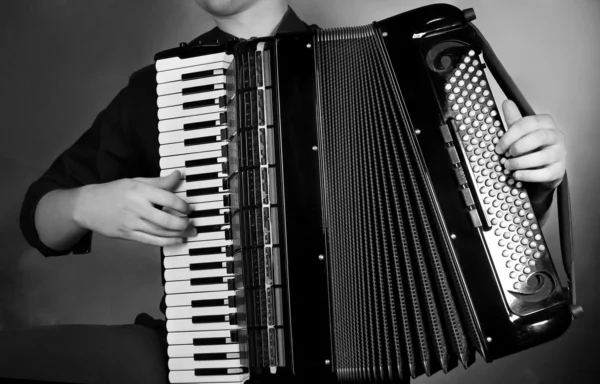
{"points": [[62, 61]]}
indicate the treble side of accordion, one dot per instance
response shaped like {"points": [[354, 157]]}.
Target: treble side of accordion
{"points": [[374, 233]]}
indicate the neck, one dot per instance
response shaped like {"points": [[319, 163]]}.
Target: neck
{"points": [[260, 19]]}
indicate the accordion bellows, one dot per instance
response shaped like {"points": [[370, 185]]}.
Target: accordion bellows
{"points": [[394, 311]]}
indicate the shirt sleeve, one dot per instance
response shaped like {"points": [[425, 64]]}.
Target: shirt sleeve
{"points": [[102, 154]]}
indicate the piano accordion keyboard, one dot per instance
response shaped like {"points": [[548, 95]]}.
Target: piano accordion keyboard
{"points": [[202, 321]]}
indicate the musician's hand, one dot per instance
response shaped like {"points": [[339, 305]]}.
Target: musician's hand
{"points": [[124, 209], [535, 148]]}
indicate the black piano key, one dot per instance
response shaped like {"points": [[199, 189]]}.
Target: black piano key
{"points": [[207, 228], [199, 125], [208, 213], [224, 133], [201, 140], [232, 301], [233, 318], [207, 280], [229, 266], [209, 319], [205, 251], [198, 89], [210, 341], [205, 266], [208, 303], [198, 103], [210, 356], [202, 176], [229, 250], [201, 74], [235, 336], [200, 162], [203, 191], [219, 371]]}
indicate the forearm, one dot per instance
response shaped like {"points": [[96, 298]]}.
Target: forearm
{"points": [[541, 201], [55, 219]]}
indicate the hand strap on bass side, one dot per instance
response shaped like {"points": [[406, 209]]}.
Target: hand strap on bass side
{"points": [[565, 229]]}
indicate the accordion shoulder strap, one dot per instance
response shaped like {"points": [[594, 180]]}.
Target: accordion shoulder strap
{"points": [[565, 229]]}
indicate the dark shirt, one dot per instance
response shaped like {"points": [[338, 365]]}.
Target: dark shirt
{"points": [[121, 143]]}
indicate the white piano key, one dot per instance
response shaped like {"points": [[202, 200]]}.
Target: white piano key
{"points": [[178, 111], [179, 123], [210, 220], [190, 350], [184, 186], [200, 170], [187, 298], [186, 274], [176, 377], [175, 62], [183, 286], [179, 161], [178, 98], [181, 148], [185, 261], [181, 135], [203, 198], [199, 207], [176, 74], [183, 363], [176, 338], [184, 249], [184, 325], [178, 86], [187, 312], [202, 236], [215, 235]]}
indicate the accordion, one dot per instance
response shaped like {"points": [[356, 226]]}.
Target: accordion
{"points": [[354, 221]]}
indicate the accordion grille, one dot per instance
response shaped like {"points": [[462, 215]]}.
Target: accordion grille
{"points": [[395, 302]]}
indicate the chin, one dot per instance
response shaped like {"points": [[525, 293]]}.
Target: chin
{"points": [[225, 8]]}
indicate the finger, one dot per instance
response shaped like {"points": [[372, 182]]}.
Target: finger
{"points": [[157, 241], [550, 173], [167, 199], [153, 229], [511, 112], [534, 141], [521, 128], [169, 182], [537, 159], [164, 220]]}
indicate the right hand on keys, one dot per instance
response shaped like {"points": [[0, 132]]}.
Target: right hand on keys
{"points": [[124, 209]]}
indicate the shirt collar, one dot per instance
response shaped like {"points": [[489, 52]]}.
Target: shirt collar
{"points": [[289, 23]]}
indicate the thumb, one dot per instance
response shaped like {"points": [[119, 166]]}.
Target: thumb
{"points": [[168, 182], [511, 113]]}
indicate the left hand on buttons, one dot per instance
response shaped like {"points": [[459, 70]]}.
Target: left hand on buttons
{"points": [[534, 146]]}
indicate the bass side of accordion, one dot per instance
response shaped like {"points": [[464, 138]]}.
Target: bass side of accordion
{"points": [[354, 222]]}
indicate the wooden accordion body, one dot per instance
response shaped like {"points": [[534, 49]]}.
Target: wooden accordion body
{"points": [[370, 231]]}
